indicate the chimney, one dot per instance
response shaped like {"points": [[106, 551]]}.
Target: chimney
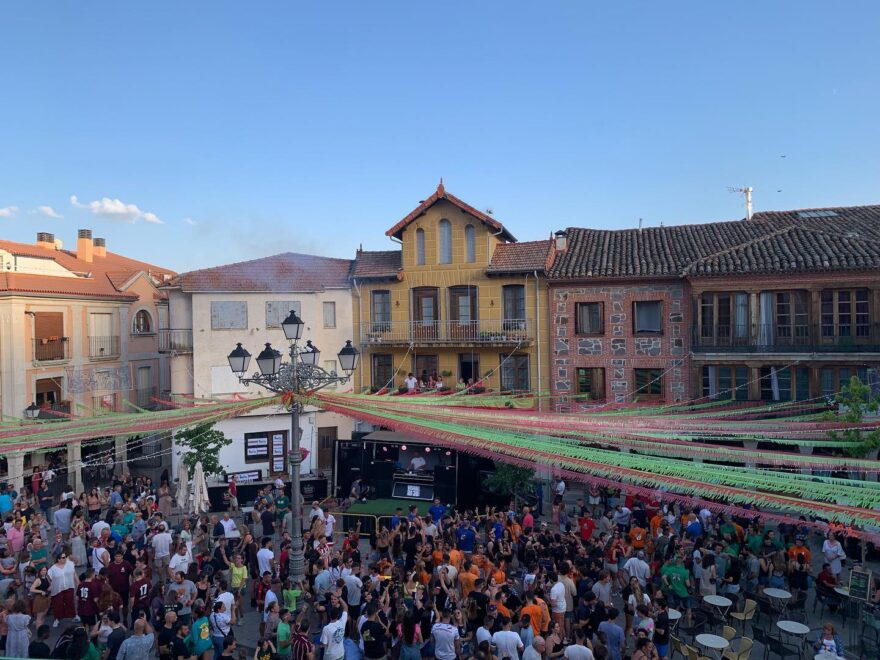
{"points": [[84, 247], [46, 240], [561, 240], [100, 245]]}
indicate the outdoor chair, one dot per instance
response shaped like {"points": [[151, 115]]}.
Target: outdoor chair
{"points": [[742, 652], [677, 647], [728, 633], [797, 608], [747, 614], [693, 654], [774, 645]]}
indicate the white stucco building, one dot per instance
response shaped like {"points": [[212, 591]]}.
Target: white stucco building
{"points": [[211, 310]]}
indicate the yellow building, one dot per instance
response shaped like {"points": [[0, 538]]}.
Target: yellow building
{"points": [[461, 299]]}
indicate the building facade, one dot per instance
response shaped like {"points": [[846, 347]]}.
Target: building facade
{"points": [[779, 307], [78, 337], [460, 300], [211, 310]]}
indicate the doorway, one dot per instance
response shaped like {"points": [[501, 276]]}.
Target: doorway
{"points": [[468, 367], [425, 364], [326, 442]]}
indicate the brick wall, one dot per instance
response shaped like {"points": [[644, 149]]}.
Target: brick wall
{"points": [[618, 350]]}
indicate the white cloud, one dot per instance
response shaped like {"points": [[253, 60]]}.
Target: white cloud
{"points": [[8, 211], [48, 211], [189, 221], [116, 209]]}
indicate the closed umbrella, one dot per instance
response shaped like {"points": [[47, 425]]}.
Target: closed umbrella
{"points": [[182, 486], [201, 503]]}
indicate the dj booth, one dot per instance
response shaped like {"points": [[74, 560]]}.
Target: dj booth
{"points": [[393, 465]]}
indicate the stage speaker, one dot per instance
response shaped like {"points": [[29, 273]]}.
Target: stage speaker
{"points": [[380, 475], [444, 484]]}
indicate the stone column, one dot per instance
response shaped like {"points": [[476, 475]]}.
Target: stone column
{"points": [[121, 455], [15, 471], [74, 466]]}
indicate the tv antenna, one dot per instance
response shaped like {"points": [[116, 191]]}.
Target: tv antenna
{"points": [[745, 191]]}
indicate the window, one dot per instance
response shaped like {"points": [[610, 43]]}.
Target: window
{"points": [[515, 372], [775, 384], [277, 311], [231, 315], [143, 323], [649, 383], [724, 318], [463, 304], [145, 391], [380, 311], [792, 317], [726, 382], [470, 244], [514, 298], [845, 313], [647, 316], [589, 318], [591, 382], [383, 371], [445, 239], [103, 404], [834, 378], [420, 247], [330, 314]]}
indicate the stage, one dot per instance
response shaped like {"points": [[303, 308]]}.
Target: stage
{"points": [[386, 506]]}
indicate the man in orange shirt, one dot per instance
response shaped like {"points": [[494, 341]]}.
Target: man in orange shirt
{"points": [[655, 522], [637, 537], [467, 578], [799, 548], [455, 558], [534, 611]]}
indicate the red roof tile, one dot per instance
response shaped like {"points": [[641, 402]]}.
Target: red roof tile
{"points": [[524, 257], [439, 194], [379, 264], [95, 279], [287, 273]]}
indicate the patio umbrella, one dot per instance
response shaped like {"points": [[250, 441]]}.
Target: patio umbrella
{"points": [[182, 486], [201, 503]]}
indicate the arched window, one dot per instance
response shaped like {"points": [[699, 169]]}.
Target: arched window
{"points": [[420, 247], [470, 244], [445, 230], [143, 323]]}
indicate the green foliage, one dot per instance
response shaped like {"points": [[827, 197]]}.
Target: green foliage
{"points": [[509, 479], [856, 400], [202, 443]]}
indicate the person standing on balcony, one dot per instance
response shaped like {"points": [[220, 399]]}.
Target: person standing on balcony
{"points": [[411, 383]]}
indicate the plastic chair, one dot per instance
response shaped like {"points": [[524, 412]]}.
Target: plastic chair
{"points": [[677, 647], [728, 633], [693, 654], [743, 651], [748, 613]]}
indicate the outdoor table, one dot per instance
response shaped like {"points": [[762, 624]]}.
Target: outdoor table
{"points": [[780, 595], [849, 608], [714, 642], [794, 628], [674, 617], [720, 603]]}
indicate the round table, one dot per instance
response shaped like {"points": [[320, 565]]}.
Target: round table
{"points": [[714, 642], [778, 594], [793, 627], [720, 603], [674, 615], [843, 591]]}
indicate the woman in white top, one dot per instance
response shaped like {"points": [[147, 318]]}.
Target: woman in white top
{"points": [[834, 554]]}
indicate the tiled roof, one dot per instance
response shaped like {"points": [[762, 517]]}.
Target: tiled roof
{"points": [[282, 273], [380, 264], [94, 280], [439, 194], [841, 238], [522, 257]]}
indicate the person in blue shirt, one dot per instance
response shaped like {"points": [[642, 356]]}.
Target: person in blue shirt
{"points": [[694, 529], [466, 537], [395, 519], [5, 502], [116, 497], [497, 528], [437, 511]]}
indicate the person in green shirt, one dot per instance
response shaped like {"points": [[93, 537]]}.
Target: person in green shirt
{"points": [[282, 505], [676, 582], [39, 554], [290, 595], [199, 638], [282, 643]]}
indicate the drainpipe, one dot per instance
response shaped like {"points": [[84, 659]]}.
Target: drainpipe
{"points": [[358, 291], [538, 333], [488, 243]]}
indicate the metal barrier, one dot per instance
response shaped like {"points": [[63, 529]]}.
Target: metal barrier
{"points": [[346, 522]]}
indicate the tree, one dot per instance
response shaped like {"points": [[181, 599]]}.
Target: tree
{"points": [[509, 480], [202, 443], [855, 401]]}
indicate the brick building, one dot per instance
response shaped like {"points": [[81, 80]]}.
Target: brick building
{"points": [[782, 306]]}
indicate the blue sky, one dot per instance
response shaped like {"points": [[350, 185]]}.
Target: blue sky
{"points": [[199, 133]]}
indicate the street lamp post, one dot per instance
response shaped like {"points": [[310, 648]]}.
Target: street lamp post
{"points": [[301, 374]]}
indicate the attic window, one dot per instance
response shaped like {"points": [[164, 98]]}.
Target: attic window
{"points": [[817, 214]]}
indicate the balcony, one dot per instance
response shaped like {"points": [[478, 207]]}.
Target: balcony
{"points": [[175, 341], [770, 338], [50, 349], [448, 333], [60, 410], [103, 348], [146, 398]]}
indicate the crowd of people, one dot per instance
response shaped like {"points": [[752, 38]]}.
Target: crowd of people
{"points": [[120, 580]]}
